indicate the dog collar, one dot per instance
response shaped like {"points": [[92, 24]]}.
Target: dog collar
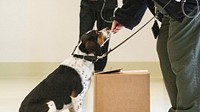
{"points": [[88, 58]]}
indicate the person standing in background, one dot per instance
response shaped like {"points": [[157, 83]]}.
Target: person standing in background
{"points": [[99, 12]]}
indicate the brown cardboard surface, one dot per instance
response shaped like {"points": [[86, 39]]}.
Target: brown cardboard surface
{"points": [[126, 91]]}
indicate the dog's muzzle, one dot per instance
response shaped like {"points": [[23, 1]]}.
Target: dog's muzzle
{"points": [[108, 35]]}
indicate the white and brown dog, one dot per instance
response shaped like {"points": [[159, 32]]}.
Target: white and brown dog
{"points": [[66, 87]]}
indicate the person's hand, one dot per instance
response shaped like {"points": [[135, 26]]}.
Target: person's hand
{"points": [[116, 26]]}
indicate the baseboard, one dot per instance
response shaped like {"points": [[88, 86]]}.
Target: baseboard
{"points": [[35, 69], [26, 69]]}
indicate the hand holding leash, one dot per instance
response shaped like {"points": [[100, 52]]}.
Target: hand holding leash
{"points": [[116, 26]]}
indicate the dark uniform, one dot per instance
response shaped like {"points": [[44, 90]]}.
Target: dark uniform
{"points": [[178, 47]]}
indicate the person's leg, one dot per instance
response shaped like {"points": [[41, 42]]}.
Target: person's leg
{"points": [[104, 18], [87, 19], [168, 75], [184, 54]]}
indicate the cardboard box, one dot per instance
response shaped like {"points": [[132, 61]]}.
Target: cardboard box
{"points": [[125, 91]]}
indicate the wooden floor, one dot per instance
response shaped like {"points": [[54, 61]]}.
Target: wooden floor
{"points": [[13, 90]]}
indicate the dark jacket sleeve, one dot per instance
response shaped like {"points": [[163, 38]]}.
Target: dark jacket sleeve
{"points": [[131, 13]]}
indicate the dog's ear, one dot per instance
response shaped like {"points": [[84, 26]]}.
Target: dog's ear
{"points": [[89, 36], [93, 47], [84, 38]]}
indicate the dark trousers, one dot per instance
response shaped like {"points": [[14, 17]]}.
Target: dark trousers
{"points": [[178, 49], [88, 17]]}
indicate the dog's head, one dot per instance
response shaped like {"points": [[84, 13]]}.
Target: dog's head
{"points": [[92, 40]]}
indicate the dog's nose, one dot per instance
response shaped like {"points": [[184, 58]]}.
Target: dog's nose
{"points": [[107, 28]]}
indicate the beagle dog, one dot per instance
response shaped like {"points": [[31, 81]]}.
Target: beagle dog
{"points": [[65, 88]]}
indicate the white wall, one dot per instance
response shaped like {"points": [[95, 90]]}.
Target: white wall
{"points": [[47, 31]]}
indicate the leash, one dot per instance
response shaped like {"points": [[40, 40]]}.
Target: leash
{"points": [[94, 59], [79, 42], [111, 50]]}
